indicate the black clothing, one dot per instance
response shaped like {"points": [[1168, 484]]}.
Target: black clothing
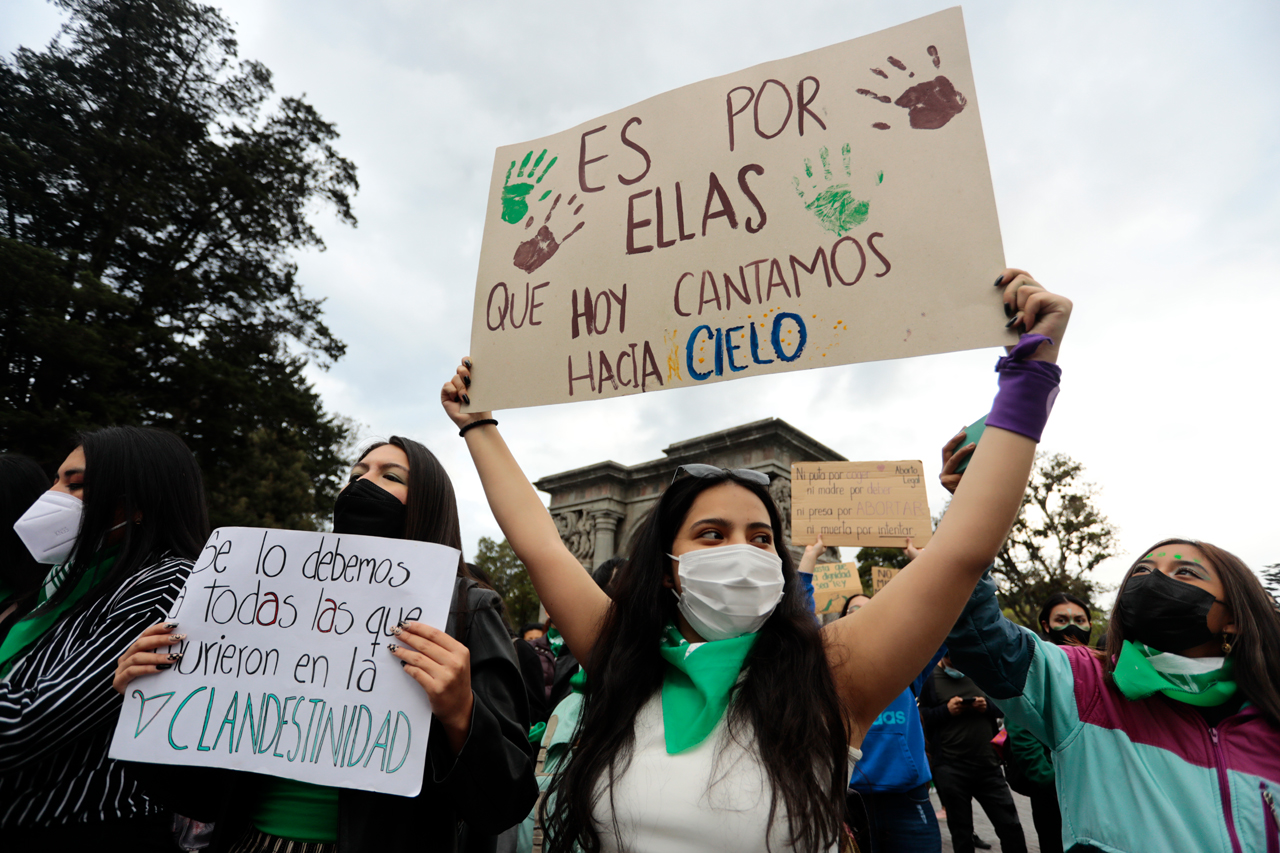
{"points": [[964, 763], [466, 800]]}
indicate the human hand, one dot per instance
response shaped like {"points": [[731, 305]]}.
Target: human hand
{"points": [[912, 550], [442, 666], [953, 455], [955, 706], [980, 704], [453, 395], [1035, 310], [811, 554], [141, 659]]}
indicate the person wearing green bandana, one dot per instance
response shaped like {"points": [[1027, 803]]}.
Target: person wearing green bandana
{"points": [[1170, 738], [716, 714], [118, 532]]}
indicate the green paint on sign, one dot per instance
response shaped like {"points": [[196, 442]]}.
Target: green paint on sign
{"points": [[515, 196], [833, 204]]}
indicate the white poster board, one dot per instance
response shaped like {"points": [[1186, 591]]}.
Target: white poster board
{"points": [[829, 208], [285, 668]]}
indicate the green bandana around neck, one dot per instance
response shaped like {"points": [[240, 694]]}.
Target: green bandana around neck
{"points": [[27, 631], [1137, 679], [696, 685]]}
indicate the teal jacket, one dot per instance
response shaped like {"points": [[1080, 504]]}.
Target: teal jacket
{"points": [[1133, 776]]}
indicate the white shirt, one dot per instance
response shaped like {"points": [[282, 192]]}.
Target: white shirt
{"points": [[714, 796]]}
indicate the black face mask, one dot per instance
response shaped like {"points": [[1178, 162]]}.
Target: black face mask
{"points": [[1062, 636], [368, 510], [1165, 614]]}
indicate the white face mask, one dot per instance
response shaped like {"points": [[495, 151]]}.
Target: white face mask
{"points": [[729, 590], [50, 525]]}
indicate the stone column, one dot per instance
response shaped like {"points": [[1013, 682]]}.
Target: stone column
{"points": [[605, 525]]}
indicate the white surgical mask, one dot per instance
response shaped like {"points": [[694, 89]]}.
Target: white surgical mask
{"points": [[50, 525], [729, 590]]}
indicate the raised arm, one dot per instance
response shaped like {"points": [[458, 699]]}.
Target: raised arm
{"points": [[877, 651], [566, 589]]}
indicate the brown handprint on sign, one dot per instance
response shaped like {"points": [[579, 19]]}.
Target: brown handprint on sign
{"points": [[929, 105], [539, 248]]}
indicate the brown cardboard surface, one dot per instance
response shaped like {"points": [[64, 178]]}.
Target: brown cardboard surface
{"points": [[880, 504], [833, 584], [829, 208], [880, 577]]}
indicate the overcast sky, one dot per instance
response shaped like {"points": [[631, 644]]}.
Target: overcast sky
{"points": [[1136, 164]]}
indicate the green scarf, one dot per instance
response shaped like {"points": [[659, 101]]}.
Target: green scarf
{"points": [[1137, 678], [28, 630], [696, 685], [555, 641]]}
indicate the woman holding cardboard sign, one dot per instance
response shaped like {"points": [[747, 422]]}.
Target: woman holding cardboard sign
{"points": [[717, 716], [120, 527], [479, 764]]}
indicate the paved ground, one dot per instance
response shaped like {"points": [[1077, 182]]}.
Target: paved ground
{"points": [[983, 826]]}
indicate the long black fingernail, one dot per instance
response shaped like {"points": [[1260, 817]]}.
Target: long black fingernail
{"points": [[164, 666], [169, 626], [1000, 280], [466, 380], [466, 400], [1011, 323], [466, 362], [1008, 310]]}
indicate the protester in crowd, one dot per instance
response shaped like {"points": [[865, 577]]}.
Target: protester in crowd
{"points": [[959, 723], [479, 773], [1170, 738], [121, 526], [716, 715], [531, 631], [1064, 620], [887, 806], [21, 484]]}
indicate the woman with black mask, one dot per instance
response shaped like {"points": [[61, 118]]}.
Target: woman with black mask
{"points": [[479, 773], [1170, 738]]}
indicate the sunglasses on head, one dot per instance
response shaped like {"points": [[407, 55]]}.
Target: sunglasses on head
{"points": [[714, 472]]}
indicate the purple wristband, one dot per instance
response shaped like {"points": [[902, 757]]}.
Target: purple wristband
{"points": [[1027, 390]]}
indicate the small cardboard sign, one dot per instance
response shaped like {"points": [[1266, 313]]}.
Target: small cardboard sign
{"points": [[877, 504], [880, 577], [833, 585], [285, 669], [829, 208]]}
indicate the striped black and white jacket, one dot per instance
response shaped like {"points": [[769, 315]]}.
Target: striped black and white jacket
{"points": [[58, 710]]}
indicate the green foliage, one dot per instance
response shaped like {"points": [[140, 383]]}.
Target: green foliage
{"points": [[869, 558], [149, 205], [1058, 537], [510, 579]]}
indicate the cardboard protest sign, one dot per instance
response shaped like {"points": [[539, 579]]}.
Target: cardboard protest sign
{"points": [[833, 584], [880, 577], [285, 669], [830, 208], [880, 504]]}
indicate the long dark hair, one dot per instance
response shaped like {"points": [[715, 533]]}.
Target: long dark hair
{"points": [[802, 742], [148, 479], [21, 484], [1256, 644], [431, 510], [1061, 598]]}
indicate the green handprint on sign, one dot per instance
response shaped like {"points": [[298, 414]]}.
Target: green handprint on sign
{"points": [[833, 204], [515, 196]]}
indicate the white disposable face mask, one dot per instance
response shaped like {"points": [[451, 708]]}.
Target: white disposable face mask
{"points": [[729, 590], [49, 527]]}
